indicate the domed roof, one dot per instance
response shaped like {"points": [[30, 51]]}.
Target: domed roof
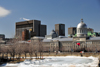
{"points": [[52, 32], [81, 24]]}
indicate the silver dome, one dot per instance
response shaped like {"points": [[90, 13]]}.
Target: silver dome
{"points": [[81, 24]]}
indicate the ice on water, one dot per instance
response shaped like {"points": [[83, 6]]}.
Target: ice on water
{"points": [[66, 61]]}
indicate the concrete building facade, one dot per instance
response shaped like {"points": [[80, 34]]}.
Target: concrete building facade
{"points": [[71, 31], [33, 26], [43, 30], [60, 29]]}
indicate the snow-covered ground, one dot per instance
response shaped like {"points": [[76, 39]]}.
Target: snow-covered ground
{"points": [[58, 61]]}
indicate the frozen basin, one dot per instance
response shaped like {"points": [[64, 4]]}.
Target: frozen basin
{"points": [[68, 61], [60, 61], [65, 61]]}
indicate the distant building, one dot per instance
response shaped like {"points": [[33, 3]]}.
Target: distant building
{"points": [[60, 29], [81, 29], [33, 27], [81, 42], [2, 39], [52, 35], [71, 31], [90, 29], [25, 34], [2, 36], [43, 29]]}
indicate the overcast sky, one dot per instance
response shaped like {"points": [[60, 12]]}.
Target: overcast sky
{"points": [[50, 12]]}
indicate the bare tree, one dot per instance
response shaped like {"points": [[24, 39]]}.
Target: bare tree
{"points": [[7, 51], [40, 48], [13, 51], [3, 50], [36, 46], [25, 49], [13, 43], [19, 49], [31, 47]]}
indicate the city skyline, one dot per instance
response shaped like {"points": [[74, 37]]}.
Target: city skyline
{"points": [[49, 13]]}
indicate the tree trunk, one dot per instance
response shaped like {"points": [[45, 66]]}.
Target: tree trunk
{"points": [[7, 57], [19, 55], [2, 55], [13, 57], [40, 54], [30, 55], [16, 56], [36, 55], [25, 55]]}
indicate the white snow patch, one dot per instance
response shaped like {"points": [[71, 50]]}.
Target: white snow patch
{"points": [[59, 61]]}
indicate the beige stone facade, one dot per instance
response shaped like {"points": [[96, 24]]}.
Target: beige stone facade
{"points": [[70, 44]]}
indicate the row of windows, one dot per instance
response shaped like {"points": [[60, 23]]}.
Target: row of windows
{"points": [[81, 31], [67, 43], [88, 42], [70, 43], [75, 46], [92, 42]]}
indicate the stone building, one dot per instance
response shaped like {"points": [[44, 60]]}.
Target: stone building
{"points": [[73, 31], [79, 43], [81, 29], [33, 27]]}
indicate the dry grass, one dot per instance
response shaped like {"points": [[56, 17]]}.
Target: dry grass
{"points": [[60, 54]]}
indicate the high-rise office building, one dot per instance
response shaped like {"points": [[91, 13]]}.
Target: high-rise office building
{"points": [[43, 29], [34, 28], [71, 31], [60, 29]]}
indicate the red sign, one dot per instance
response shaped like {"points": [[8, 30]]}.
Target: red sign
{"points": [[78, 44]]}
